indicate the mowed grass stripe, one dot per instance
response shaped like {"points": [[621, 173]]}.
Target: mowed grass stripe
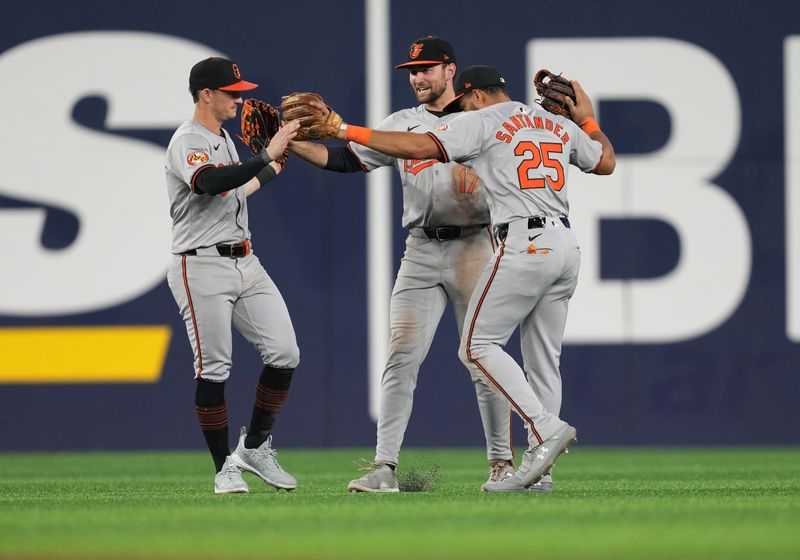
{"points": [[608, 503]]}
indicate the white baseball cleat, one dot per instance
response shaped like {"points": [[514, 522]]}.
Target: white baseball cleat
{"points": [[536, 462], [544, 486], [263, 462], [381, 478], [229, 480], [499, 468]]}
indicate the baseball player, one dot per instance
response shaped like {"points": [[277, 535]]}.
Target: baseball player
{"points": [[449, 242], [523, 154], [217, 280]]}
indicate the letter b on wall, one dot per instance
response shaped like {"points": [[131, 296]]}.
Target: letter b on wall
{"points": [[673, 184]]}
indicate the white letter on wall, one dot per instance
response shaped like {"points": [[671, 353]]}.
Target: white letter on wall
{"points": [[114, 185], [673, 184]]}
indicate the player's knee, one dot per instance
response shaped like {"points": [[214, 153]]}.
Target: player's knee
{"points": [[214, 375], [285, 356], [464, 353], [471, 350], [403, 351], [292, 356]]}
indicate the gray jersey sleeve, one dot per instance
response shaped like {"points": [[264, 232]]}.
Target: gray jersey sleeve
{"points": [[189, 153], [369, 158], [585, 153], [461, 139]]}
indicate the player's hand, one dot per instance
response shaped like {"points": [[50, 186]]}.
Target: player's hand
{"points": [[321, 107], [582, 108], [277, 146]]}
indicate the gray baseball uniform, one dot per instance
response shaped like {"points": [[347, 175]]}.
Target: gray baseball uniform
{"points": [[523, 154], [214, 291], [431, 272]]}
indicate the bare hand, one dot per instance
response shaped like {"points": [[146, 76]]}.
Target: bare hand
{"points": [[281, 140], [582, 108]]}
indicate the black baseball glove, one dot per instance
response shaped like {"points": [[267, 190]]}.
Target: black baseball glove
{"points": [[260, 122], [553, 89]]}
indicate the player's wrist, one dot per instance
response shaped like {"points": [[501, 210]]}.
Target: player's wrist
{"points": [[266, 175], [589, 125], [358, 134]]}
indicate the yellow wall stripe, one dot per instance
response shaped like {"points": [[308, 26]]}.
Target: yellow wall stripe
{"points": [[98, 354]]}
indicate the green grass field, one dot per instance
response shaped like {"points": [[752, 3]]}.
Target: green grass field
{"points": [[608, 503]]}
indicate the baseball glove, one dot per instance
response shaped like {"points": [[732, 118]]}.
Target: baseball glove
{"points": [[553, 89], [260, 122], [317, 120]]}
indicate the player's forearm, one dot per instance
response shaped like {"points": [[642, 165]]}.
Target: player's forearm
{"points": [[608, 161], [311, 152], [251, 186], [217, 180], [262, 178], [330, 158], [404, 145]]}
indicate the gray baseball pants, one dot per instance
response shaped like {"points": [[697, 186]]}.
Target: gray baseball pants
{"points": [[431, 273], [213, 293], [528, 283]]}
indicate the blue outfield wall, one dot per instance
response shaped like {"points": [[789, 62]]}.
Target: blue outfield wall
{"points": [[686, 326]]}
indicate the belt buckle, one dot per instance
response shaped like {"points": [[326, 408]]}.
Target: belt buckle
{"points": [[537, 222], [239, 250], [234, 251], [438, 234], [225, 250]]}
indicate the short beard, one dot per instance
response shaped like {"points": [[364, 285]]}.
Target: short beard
{"points": [[432, 96]]}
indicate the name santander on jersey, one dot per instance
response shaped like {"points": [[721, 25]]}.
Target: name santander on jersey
{"points": [[521, 120], [523, 154]]}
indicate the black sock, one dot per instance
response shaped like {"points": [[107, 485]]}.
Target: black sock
{"points": [[271, 392], [212, 413]]}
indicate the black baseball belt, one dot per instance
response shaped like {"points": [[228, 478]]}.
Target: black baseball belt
{"points": [[534, 222], [235, 251], [445, 233]]}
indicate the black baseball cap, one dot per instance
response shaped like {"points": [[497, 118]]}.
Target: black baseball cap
{"points": [[474, 77], [218, 73], [429, 50]]}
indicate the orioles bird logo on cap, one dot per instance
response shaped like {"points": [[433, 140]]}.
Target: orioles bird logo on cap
{"points": [[414, 51], [236, 72]]}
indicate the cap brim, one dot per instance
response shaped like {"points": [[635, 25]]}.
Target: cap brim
{"points": [[454, 106], [240, 86], [423, 63]]}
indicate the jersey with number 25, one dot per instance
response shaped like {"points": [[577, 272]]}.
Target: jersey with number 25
{"points": [[522, 153]]}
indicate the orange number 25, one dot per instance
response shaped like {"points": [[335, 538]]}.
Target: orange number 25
{"points": [[539, 156]]}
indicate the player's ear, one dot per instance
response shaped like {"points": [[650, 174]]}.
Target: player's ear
{"points": [[450, 71]]}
